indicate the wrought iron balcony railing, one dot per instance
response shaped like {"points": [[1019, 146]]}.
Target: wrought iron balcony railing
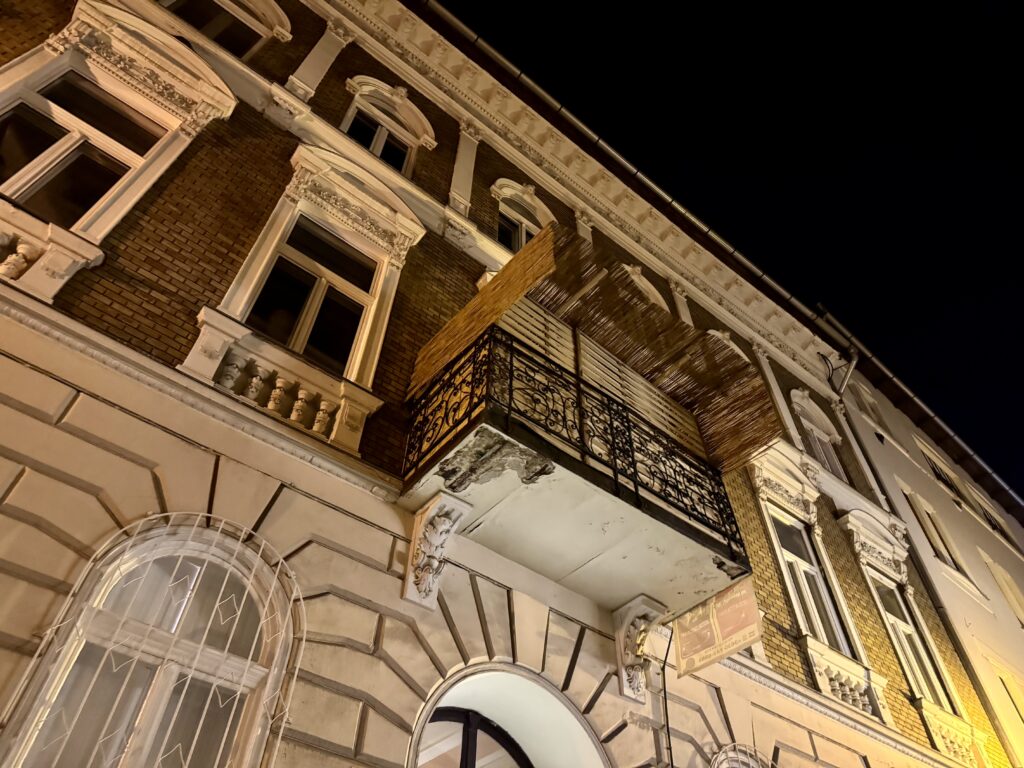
{"points": [[505, 381]]}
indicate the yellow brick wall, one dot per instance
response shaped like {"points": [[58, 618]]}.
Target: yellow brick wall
{"points": [[868, 622], [975, 712], [781, 629]]}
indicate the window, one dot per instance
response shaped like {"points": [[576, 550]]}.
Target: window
{"points": [[316, 296], [935, 531], [521, 215], [1008, 587], [821, 434], [65, 146], [462, 738], [868, 405], [237, 26], [811, 594], [383, 120], [172, 652], [915, 656]]}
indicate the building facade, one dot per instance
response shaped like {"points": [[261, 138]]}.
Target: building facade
{"points": [[358, 411]]}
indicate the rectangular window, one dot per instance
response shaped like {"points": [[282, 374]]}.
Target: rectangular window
{"points": [[914, 655], [1011, 592], [935, 532], [64, 148], [825, 452], [807, 584], [316, 296]]}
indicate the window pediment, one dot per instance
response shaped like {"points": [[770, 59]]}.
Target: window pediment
{"points": [[391, 105], [358, 200], [147, 60], [880, 543], [808, 410]]}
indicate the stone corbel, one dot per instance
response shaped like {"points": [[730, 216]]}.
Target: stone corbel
{"points": [[585, 226], [40, 258], [633, 632], [434, 525], [284, 108]]}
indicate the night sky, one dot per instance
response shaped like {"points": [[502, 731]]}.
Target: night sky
{"points": [[866, 158]]}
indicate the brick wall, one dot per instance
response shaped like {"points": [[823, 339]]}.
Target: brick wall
{"points": [[182, 245], [432, 169], [868, 622], [975, 711], [275, 60], [781, 630], [490, 166], [437, 281], [27, 23]]}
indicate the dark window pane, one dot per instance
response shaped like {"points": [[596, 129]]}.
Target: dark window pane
{"points": [[74, 186], [24, 135], [334, 330], [198, 13], [87, 101], [280, 303], [363, 129], [394, 153], [821, 601], [237, 37], [508, 232], [332, 252]]}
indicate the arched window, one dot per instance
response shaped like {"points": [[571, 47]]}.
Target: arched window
{"points": [[237, 26], [463, 738], [384, 121], [821, 433], [170, 651], [521, 215]]}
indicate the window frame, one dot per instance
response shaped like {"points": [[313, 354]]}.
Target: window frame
{"points": [[1007, 586], [899, 629], [472, 723], [95, 223], [935, 531], [822, 434], [325, 279], [273, 23], [804, 605], [271, 587], [411, 127], [525, 230], [526, 196]]}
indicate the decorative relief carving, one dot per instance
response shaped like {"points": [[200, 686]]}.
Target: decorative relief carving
{"points": [[434, 525], [633, 627], [769, 487]]}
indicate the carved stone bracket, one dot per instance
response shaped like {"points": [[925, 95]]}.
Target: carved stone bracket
{"points": [[40, 258], [633, 628], [435, 523]]}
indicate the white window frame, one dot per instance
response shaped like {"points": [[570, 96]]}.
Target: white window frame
{"points": [[526, 196], [803, 602], [325, 279], [943, 548], [413, 129], [137, 64], [821, 433], [1007, 586], [912, 631], [371, 219], [242, 553], [271, 22]]}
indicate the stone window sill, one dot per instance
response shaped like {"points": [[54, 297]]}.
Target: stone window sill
{"points": [[231, 357], [951, 735], [847, 680]]}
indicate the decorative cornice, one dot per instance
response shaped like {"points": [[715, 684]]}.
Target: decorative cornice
{"points": [[420, 48]]}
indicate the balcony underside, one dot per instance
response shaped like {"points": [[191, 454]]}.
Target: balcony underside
{"points": [[571, 521]]}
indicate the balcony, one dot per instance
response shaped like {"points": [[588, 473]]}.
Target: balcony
{"points": [[576, 465]]}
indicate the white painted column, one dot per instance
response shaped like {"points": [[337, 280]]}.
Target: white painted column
{"points": [[313, 68], [465, 161], [780, 400]]}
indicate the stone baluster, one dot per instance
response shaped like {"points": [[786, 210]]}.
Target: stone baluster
{"points": [[232, 371], [15, 265], [322, 422], [279, 401], [302, 411], [256, 389]]}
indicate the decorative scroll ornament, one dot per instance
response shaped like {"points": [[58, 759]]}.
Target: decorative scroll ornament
{"points": [[633, 625], [435, 523]]}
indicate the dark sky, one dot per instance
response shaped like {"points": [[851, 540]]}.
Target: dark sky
{"points": [[868, 158]]}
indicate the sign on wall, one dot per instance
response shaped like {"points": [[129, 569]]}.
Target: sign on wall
{"points": [[720, 626]]}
